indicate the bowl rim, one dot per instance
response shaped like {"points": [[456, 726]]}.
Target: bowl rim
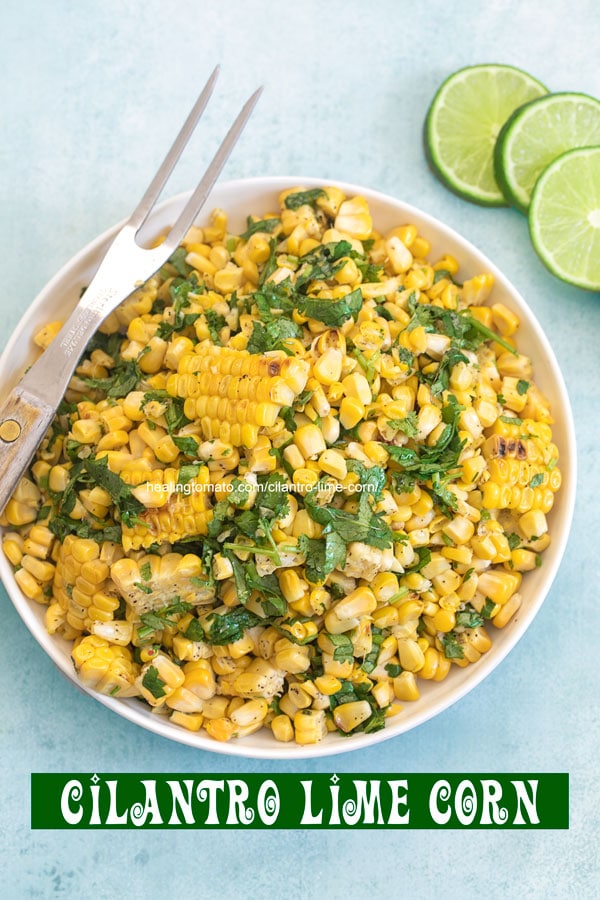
{"points": [[132, 709]]}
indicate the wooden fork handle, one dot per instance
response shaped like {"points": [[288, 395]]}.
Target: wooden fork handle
{"points": [[24, 419]]}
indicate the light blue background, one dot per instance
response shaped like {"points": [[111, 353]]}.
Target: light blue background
{"points": [[91, 95]]}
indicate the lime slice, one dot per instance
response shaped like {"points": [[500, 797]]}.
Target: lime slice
{"points": [[536, 134], [564, 217], [463, 122]]}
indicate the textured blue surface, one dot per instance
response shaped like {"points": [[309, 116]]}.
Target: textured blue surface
{"points": [[90, 98]]}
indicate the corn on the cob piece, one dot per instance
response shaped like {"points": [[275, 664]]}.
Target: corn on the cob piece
{"points": [[173, 511], [521, 466], [227, 390], [82, 585], [152, 581], [105, 667]]}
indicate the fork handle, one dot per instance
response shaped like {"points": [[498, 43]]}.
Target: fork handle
{"points": [[24, 419]]}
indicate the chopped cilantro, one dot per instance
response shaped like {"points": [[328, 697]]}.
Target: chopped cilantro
{"points": [[300, 198], [439, 381], [120, 493], [153, 682], [186, 445], [123, 379], [332, 313], [265, 225], [161, 618], [488, 608], [142, 587], [370, 660], [230, 626], [363, 525], [522, 386], [452, 649], [349, 693], [188, 472], [194, 631], [177, 260], [537, 480], [344, 650], [513, 540], [323, 555], [511, 420], [367, 365], [469, 618], [407, 426], [272, 330], [321, 263]]}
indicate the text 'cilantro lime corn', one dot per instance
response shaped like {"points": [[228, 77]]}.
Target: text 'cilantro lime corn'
{"points": [[299, 473]]}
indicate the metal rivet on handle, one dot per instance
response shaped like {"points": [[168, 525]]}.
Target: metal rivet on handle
{"points": [[9, 430]]}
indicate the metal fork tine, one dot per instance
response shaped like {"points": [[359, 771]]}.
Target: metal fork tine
{"points": [[140, 213], [195, 203]]}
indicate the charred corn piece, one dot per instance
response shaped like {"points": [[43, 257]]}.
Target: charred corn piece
{"points": [[152, 581], [227, 389], [185, 511]]}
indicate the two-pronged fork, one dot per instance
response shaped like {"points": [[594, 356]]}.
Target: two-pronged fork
{"points": [[30, 407]]}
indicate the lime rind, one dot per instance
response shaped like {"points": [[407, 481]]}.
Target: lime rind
{"points": [[462, 124], [564, 217], [536, 134]]}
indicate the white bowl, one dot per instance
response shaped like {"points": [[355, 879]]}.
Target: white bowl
{"points": [[258, 196]]}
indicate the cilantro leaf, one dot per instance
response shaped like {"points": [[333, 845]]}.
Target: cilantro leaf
{"points": [[440, 380], [522, 386], [321, 263], [187, 472], [157, 619], [194, 631], [266, 225], [129, 507], [215, 322], [469, 618], [407, 426], [452, 649], [332, 313], [272, 331], [300, 198], [513, 540], [344, 649], [123, 379], [363, 525], [177, 260], [349, 693], [153, 682], [61, 526], [239, 576], [323, 555], [273, 496], [487, 608], [230, 626], [186, 445]]}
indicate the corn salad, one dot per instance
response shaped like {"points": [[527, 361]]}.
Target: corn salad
{"points": [[298, 472]]}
